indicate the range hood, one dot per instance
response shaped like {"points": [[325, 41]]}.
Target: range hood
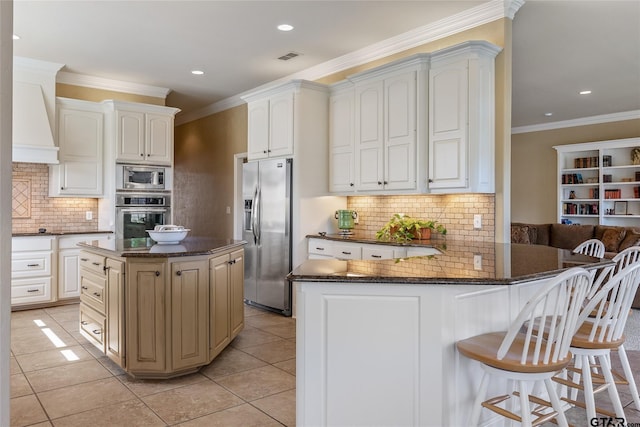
{"points": [[34, 111]]}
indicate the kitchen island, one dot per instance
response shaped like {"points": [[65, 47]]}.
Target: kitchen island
{"points": [[161, 311], [376, 339]]}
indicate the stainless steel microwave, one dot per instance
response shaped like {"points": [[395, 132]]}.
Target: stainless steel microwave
{"points": [[136, 177]]}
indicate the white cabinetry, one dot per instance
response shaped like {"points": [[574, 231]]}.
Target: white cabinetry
{"points": [[461, 118], [33, 270], [80, 142], [143, 133], [69, 263], [341, 138], [387, 150], [274, 119], [599, 182], [326, 249]]}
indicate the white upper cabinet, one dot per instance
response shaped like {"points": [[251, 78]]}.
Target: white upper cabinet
{"points": [[279, 117], [270, 132], [80, 142], [461, 118], [369, 146], [143, 133], [342, 137]]}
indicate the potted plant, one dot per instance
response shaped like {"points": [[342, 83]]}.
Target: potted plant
{"points": [[404, 228]]}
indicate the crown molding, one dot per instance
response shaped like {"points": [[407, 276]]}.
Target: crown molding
{"points": [[108, 84], [584, 121], [36, 65], [467, 19]]}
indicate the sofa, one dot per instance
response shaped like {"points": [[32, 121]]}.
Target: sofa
{"points": [[568, 236]]}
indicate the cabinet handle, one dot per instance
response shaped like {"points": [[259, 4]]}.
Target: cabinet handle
{"points": [[95, 263], [268, 151], [84, 259], [157, 273], [84, 287], [351, 184], [32, 290], [320, 249], [33, 265], [385, 183], [178, 273], [96, 294], [105, 268], [379, 182], [430, 180], [346, 253], [97, 331], [84, 323], [265, 151], [376, 256], [233, 261]]}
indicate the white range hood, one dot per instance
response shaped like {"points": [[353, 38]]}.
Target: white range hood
{"points": [[34, 86]]}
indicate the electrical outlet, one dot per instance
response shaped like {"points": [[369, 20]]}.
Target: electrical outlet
{"points": [[477, 221], [88, 215], [228, 210], [477, 262]]}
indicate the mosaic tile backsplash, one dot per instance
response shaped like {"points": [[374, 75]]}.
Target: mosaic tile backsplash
{"points": [[454, 211], [32, 208]]}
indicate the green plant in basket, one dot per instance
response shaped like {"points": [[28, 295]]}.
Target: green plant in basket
{"points": [[404, 228]]}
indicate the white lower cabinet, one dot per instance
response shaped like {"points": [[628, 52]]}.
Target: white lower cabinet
{"points": [[32, 269], [69, 263], [328, 249]]}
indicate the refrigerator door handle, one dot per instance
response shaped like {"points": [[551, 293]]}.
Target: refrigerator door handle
{"points": [[254, 209], [258, 213]]}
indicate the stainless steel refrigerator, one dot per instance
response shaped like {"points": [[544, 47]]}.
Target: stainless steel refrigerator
{"points": [[266, 189]]}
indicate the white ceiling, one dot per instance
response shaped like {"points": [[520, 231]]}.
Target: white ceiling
{"points": [[559, 47]]}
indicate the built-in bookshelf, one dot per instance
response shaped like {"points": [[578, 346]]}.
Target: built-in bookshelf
{"points": [[599, 182]]}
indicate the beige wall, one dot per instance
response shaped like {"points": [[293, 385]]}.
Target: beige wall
{"points": [[203, 177], [97, 95], [534, 164], [205, 147]]}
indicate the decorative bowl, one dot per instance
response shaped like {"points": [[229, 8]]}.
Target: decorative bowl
{"points": [[168, 234]]}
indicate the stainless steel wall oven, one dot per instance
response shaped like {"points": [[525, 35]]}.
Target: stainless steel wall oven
{"points": [[138, 212]]}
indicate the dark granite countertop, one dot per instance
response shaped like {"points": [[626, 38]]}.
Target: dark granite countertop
{"points": [[146, 247], [59, 233], [501, 264]]}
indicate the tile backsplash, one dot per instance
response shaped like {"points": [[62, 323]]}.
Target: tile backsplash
{"points": [[454, 211], [32, 208]]}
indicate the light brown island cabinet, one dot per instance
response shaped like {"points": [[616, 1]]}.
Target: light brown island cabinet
{"points": [[162, 316], [226, 290]]}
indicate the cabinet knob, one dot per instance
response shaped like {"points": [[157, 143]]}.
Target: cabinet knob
{"points": [[351, 184], [97, 331], [157, 273], [84, 287], [105, 268], [265, 151], [141, 155], [233, 261], [379, 182], [148, 155], [385, 183], [430, 180], [268, 151], [62, 188], [178, 273]]}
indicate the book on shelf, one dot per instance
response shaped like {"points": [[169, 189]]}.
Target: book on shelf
{"points": [[594, 193], [612, 193], [585, 162], [636, 192]]}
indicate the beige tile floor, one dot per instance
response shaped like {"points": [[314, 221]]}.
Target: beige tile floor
{"points": [[59, 379]]}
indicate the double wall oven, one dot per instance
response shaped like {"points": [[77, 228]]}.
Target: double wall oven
{"points": [[143, 200]]}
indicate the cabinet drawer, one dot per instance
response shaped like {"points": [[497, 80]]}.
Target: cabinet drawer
{"points": [[320, 247], [92, 262], [32, 243], [377, 253], [31, 264], [30, 290], [347, 251], [92, 289], [92, 326]]}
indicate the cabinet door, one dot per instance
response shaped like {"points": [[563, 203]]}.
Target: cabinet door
{"points": [[369, 137], [400, 132], [281, 125], [159, 139], [80, 138], [114, 342], [145, 317], [236, 283], [341, 136], [448, 142], [258, 129], [69, 273], [189, 314], [130, 141], [219, 299]]}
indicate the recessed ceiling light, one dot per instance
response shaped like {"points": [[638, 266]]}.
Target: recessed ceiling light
{"points": [[548, 114], [16, 37], [585, 92], [285, 27], [197, 72]]}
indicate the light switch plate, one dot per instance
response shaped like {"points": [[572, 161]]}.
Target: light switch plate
{"points": [[477, 221], [477, 262]]}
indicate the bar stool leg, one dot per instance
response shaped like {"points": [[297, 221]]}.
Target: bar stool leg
{"points": [[628, 374], [525, 411], [555, 402], [589, 399], [613, 391], [477, 405]]}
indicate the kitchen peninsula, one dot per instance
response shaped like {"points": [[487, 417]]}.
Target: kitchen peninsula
{"points": [[376, 339], [161, 311]]}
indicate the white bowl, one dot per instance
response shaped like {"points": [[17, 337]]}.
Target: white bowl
{"points": [[168, 234]]}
